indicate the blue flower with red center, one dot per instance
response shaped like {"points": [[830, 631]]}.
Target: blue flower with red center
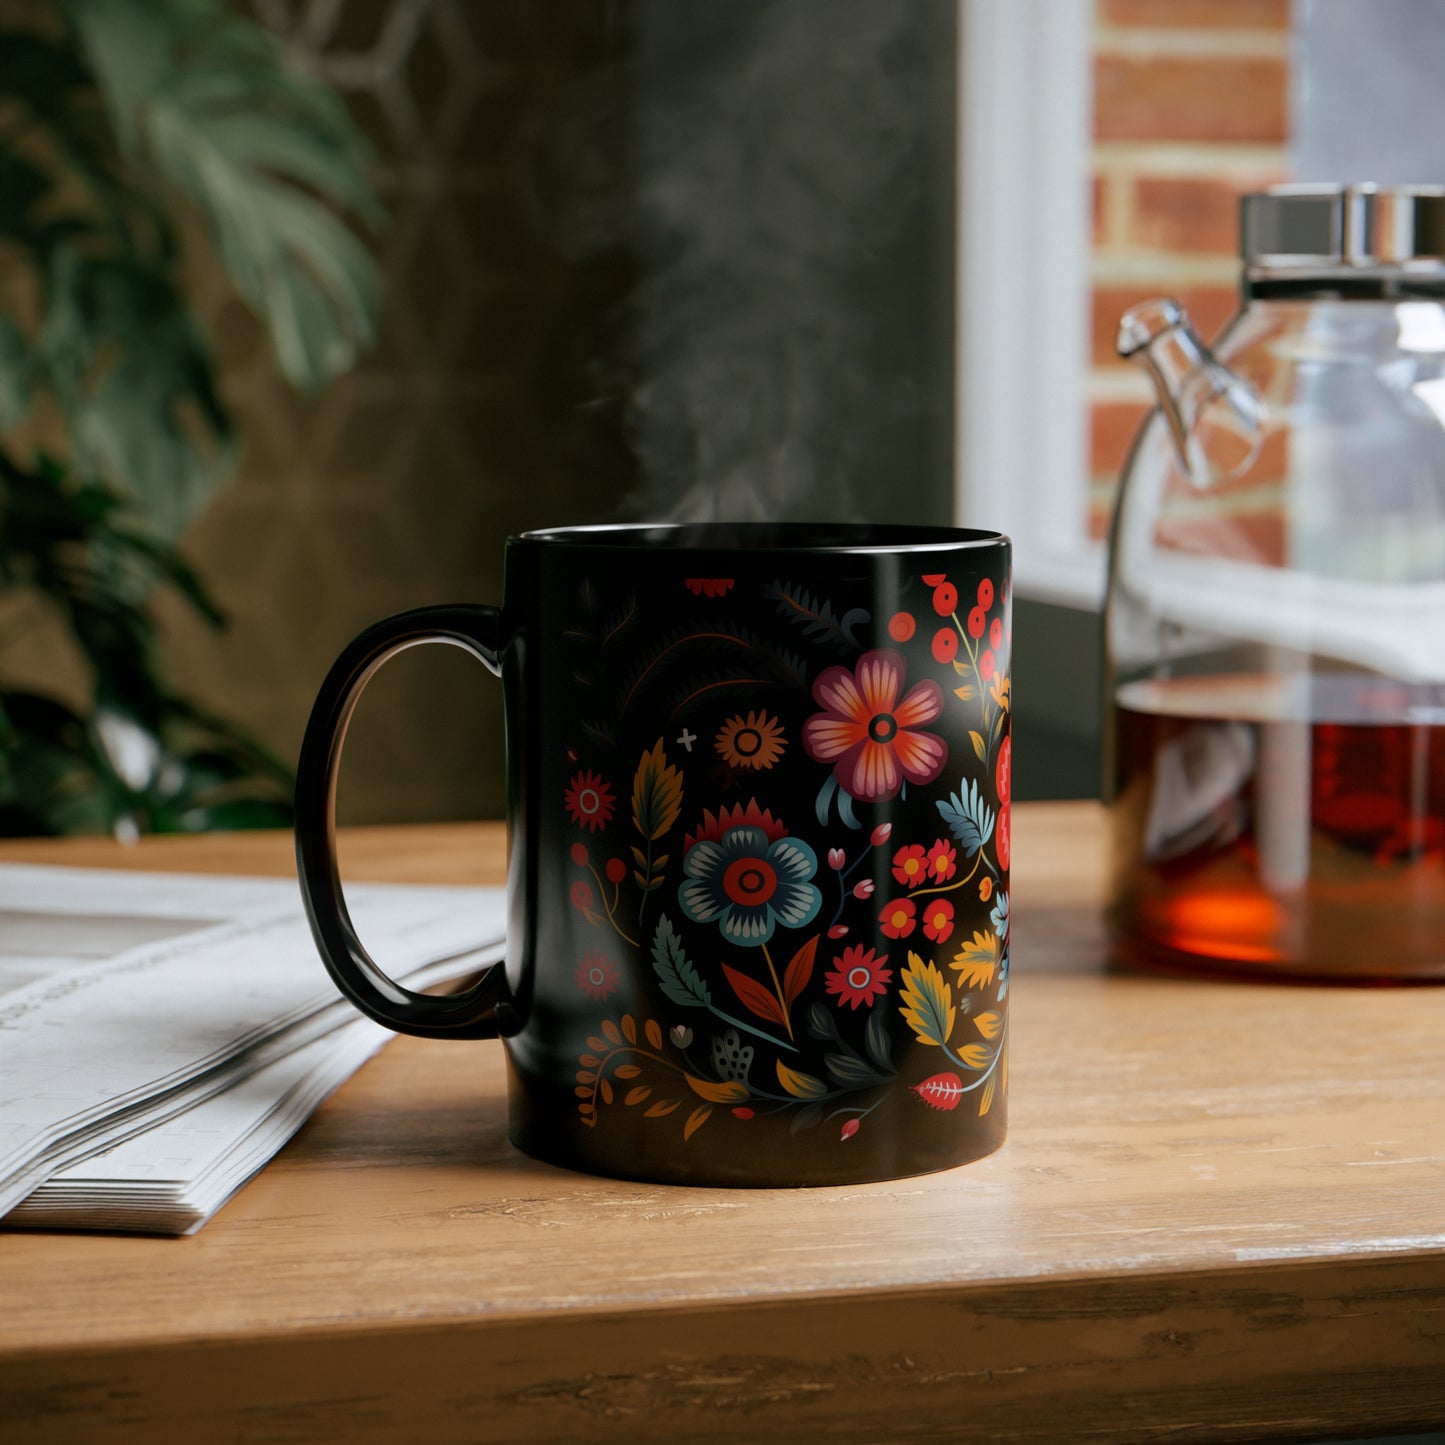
{"points": [[748, 884]]}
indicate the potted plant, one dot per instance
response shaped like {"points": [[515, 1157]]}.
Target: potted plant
{"points": [[122, 122]]}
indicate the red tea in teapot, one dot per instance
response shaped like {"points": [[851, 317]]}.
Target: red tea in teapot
{"points": [[1281, 825]]}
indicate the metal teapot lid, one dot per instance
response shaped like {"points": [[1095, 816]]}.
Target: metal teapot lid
{"points": [[1294, 232]]}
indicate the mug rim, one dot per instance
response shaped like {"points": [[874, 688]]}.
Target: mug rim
{"points": [[814, 537]]}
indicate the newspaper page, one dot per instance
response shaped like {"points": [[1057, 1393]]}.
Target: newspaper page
{"points": [[130, 1000]]}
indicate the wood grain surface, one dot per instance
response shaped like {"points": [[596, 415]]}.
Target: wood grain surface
{"points": [[1220, 1214]]}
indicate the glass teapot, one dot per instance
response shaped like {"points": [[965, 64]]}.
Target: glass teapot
{"points": [[1275, 623]]}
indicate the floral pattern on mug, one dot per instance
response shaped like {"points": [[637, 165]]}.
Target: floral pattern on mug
{"points": [[782, 960]]}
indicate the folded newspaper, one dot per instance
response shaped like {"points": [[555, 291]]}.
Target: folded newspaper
{"points": [[162, 1034]]}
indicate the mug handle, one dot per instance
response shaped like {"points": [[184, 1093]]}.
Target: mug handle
{"points": [[467, 1015]]}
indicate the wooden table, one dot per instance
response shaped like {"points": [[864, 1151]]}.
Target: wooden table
{"points": [[1220, 1213]]}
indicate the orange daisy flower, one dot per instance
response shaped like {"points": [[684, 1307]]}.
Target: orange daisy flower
{"points": [[754, 741]]}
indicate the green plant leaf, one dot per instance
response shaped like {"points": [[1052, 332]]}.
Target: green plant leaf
{"points": [[264, 152]]}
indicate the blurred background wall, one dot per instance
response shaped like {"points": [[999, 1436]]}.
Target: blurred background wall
{"points": [[645, 259]]}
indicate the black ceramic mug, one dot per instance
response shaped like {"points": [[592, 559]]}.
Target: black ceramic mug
{"points": [[759, 848]]}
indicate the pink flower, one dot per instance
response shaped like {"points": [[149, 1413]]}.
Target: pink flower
{"points": [[863, 888], [881, 834], [849, 1129], [838, 930], [836, 859], [870, 729], [858, 977]]}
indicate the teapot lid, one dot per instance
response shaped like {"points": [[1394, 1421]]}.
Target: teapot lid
{"points": [[1342, 229]]}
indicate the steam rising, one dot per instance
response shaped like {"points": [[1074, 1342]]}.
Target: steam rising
{"points": [[791, 315]]}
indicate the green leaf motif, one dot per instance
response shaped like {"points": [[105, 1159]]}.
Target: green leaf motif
{"points": [[680, 981]]}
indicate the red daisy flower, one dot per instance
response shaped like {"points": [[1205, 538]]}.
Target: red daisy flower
{"points": [[589, 800], [938, 920], [597, 975], [897, 919], [858, 976], [910, 865], [708, 586], [870, 729], [942, 858]]}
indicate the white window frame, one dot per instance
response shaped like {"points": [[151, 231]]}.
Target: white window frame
{"points": [[1025, 123]]}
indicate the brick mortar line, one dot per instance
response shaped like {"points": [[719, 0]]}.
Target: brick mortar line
{"points": [[1172, 43], [1123, 266], [1117, 386], [1187, 160]]}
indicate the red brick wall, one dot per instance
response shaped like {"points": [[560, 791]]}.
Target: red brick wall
{"points": [[1190, 111]]}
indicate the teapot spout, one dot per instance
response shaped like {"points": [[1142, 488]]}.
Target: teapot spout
{"points": [[1216, 418]]}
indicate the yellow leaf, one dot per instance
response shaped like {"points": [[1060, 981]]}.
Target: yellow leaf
{"points": [[729, 1091], [654, 1033], [976, 1056], [610, 1029], [927, 1002], [977, 962], [966, 693], [696, 1120], [989, 1023], [606, 1091], [656, 793], [637, 1095], [629, 1029], [628, 1071], [961, 668], [663, 1106], [989, 1089], [979, 746], [800, 1086]]}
